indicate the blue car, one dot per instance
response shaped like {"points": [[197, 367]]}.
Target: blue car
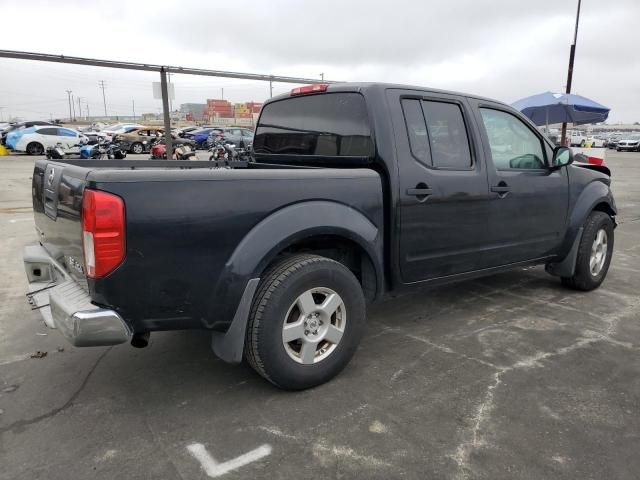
{"points": [[201, 136]]}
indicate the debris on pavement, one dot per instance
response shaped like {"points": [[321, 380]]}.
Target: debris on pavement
{"points": [[39, 354], [10, 388]]}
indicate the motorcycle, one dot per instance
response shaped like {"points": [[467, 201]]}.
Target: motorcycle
{"points": [[180, 151], [226, 151], [107, 150], [55, 153]]}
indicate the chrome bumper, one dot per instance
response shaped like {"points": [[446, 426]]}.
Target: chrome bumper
{"points": [[65, 305]]}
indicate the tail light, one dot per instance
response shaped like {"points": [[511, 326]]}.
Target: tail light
{"points": [[103, 232], [315, 88]]}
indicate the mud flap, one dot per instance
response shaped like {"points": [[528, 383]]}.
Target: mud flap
{"points": [[567, 267], [229, 345]]}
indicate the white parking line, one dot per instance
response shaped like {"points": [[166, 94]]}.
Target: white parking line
{"points": [[215, 469], [21, 219]]}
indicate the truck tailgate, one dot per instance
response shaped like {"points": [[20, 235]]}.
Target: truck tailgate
{"points": [[57, 190]]}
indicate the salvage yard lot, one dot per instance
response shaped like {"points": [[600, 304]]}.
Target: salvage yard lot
{"points": [[509, 376]]}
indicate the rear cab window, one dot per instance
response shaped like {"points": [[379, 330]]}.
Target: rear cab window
{"points": [[319, 126]]}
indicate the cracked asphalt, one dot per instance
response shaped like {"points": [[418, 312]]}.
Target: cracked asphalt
{"points": [[510, 376]]}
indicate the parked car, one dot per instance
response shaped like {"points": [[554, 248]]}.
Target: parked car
{"points": [[576, 138], [201, 136], [120, 128], [93, 137], [357, 190], [180, 132], [139, 140], [596, 141], [20, 125], [612, 141], [241, 137], [35, 140], [629, 143]]}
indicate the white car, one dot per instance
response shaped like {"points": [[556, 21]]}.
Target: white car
{"points": [[596, 141], [120, 128], [36, 140], [576, 138]]}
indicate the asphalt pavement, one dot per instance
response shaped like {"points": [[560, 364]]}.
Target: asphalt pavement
{"points": [[510, 376]]}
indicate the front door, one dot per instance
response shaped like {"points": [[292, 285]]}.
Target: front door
{"points": [[529, 201], [444, 198]]}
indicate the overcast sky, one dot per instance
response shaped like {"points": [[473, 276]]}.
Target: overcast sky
{"points": [[504, 49]]}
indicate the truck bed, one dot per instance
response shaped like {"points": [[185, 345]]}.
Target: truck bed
{"points": [[184, 221]]}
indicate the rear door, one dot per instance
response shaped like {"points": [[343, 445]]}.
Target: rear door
{"points": [[444, 198], [529, 202]]}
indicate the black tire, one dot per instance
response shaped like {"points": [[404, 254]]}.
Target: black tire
{"points": [[280, 287], [137, 148], [35, 148], [583, 279]]}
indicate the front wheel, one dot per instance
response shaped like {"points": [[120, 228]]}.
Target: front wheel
{"points": [[594, 253], [306, 321]]}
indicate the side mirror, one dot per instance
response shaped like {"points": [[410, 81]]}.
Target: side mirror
{"points": [[562, 156]]}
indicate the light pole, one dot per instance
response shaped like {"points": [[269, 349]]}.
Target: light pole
{"points": [[572, 54], [69, 95]]}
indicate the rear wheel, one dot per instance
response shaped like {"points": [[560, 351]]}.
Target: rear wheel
{"points": [[306, 321], [35, 148], [594, 253]]}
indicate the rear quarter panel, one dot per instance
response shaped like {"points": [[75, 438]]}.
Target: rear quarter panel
{"points": [[184, 226]]}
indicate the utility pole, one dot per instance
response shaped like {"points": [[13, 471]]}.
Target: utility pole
{"points": [[572, 54], [133, 107], [169, 87], [104, 99], [222, 93], [168, 141], [79, 108], [88, 111], [271, 87], [1, 108], [322, 76], [69, 96]]}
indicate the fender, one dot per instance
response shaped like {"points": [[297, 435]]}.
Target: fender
{"points": [[266, 240], [595, 193]]}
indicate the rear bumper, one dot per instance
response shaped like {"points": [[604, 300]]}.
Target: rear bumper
{"points": [[65, 305]]}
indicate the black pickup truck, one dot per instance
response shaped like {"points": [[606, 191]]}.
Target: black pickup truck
{"points": [[354, 190]]}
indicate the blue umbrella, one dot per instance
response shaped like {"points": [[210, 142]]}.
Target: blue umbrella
{"points": [[547, 108]]}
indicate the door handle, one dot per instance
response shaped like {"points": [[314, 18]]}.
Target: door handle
{"points": [[502, 189], [419, 192]]}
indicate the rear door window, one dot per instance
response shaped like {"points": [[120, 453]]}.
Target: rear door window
{"points": [[64, 132], [328, 125], [437, 133], [447, 135]]}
